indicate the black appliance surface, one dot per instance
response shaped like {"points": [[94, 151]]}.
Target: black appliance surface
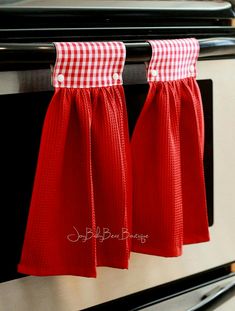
{"points": [[37, 21], [20, 137]]}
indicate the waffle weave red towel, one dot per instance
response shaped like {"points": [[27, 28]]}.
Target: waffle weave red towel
{"points": [[89, 171]]}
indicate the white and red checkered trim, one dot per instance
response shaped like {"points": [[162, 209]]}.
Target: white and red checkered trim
{"points": [[88, 64], [173, 59]]}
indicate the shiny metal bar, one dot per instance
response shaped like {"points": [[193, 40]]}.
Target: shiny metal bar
{"points": [[137, 52]]}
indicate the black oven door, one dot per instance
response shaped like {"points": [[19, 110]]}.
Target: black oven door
{"points": [[25, 99]]}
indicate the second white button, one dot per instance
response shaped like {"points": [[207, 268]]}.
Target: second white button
{"points": [[60, 78], [154, 72], [115, 76]]}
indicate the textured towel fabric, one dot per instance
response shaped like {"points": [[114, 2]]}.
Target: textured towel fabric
{"points": [[81, 214], [169, 199], [82, 185]]}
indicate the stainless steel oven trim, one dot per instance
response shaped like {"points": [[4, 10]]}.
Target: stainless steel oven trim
{"points": [[120, 5], [164, 292]]}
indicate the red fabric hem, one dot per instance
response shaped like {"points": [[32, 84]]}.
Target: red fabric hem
{"points": [[196, 240], [50, 271], [158, 252]]}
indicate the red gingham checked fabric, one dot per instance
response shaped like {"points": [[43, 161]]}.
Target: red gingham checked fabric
{"points": [[88, 64], [173, 59]]}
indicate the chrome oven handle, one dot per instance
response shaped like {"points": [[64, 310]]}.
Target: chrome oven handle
{"points": [[44, 53], [214, 47]]}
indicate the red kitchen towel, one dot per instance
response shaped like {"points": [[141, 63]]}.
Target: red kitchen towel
{"points": [[169, 199], [82, 190], [81, 214]]}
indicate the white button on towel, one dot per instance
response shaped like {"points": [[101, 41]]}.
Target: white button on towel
{"points": [[115, 76], [60, 78], [154, 72], [191, 69]]}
